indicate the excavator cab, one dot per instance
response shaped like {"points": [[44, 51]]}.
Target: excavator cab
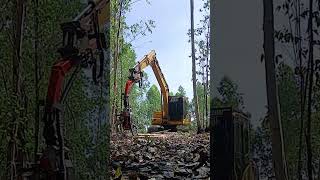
{"points": [[177, 108], [177, 114]]}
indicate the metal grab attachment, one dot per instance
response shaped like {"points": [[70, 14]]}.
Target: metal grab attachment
{"points": [[71, 33], [81, 44]]}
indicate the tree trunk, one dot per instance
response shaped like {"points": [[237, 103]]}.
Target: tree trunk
{"points": [[19, 14], [207, 78], [204, 96], [278, 155], [211, 120], [115, 69], [303, 84], [319, 169], [36, 67], [194, 76], [308, 130]]}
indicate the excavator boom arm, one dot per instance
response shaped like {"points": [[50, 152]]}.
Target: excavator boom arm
{"points": [[163, 87], [136, 76]]}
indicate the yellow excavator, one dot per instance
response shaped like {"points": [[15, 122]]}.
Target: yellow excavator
{"points": [[173, 108]]}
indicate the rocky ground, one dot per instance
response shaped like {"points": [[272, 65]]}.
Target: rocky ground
{"points": [[165, 155]]}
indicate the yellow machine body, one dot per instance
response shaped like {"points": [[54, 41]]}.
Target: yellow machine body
{"points": [[162, 117], [157, 119]]}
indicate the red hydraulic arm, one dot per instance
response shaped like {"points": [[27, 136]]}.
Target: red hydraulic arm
{"points": [[83, 46], [126, 112], [128, 87], [127, 90], [136, 74], [53, 125], [58, 73]]}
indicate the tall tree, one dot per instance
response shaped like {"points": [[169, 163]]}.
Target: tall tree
{"points": [[116, 57], [201, 102], [311, 62], [181, 91], [288, 90], [278, 154], [36, 79], [207, 74], [18, 29], [201, 34], [211, 20], [122, 34], [194, 75], [295, 42]]}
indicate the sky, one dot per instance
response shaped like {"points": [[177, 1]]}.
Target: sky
{"points": [[169, 39], [237, 45]]}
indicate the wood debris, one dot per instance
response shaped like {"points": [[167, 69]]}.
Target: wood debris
{"points": [[166, 155]]}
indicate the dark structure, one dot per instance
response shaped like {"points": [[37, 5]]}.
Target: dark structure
{"points": [[230, 144], [177, 107]]}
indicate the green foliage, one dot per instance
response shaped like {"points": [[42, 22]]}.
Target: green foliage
{"points": [[181, 91], [201, 99], [289, 99], [127, 58], [203, 107], [294, 34], [84, 99], [288, 92], [230, 95], [122, 39], [126, 31], [154, 100], [139, 105], [262, 150], [217, 103]]}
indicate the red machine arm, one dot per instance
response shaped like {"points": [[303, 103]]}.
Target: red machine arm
{"points": [[83, 46], [127, 90], [58, 73], [128, 87]]}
